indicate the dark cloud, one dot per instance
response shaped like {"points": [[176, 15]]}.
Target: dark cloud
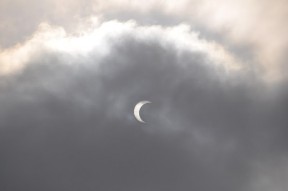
{"points": [[70, 127], [66, 120]]}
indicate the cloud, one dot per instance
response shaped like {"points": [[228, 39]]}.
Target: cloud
{"points": [[66, 114], [255, 28], [255, 25], [270, 174], [71, 75], [57, 39]]}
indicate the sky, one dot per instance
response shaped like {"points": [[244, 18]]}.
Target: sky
{"points": [[72, 71]]}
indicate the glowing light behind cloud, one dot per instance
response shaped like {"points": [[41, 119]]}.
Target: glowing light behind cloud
{"points": [[101, 37]]}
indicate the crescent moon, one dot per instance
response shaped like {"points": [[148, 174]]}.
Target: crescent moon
{"points": [[137, 109]]}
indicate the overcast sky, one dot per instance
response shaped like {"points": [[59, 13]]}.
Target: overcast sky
{"points": [[72, 71]]}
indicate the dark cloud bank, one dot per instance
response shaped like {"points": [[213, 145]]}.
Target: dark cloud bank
{"points": [[70, 127]]}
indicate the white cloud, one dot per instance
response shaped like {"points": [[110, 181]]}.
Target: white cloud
{"points": [[101, 36], [258, 24]]}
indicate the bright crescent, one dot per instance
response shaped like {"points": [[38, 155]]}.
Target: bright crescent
{"points": [[137, 109]]}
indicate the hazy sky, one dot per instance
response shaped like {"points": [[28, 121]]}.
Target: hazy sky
{"points": [[72, 71]]}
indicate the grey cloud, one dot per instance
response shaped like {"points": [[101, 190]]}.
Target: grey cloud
{"points": [[70, 127]]}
